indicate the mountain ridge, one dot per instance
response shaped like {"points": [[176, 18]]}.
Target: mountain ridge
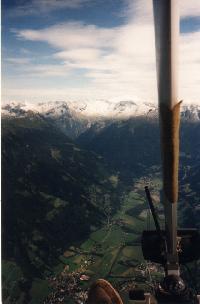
{"points": [[75, 118], [99, 108]]}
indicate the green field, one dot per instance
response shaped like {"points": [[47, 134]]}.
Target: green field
{"points": [[114, 251]]}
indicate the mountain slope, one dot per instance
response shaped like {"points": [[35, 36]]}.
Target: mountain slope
{"points": [[135, 142], [130, 146], [48, 200]]}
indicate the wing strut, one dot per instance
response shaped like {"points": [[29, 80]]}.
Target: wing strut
{"points": [[170, 247]]}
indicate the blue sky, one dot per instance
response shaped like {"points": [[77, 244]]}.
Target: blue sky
{"points": [[59, 49]]}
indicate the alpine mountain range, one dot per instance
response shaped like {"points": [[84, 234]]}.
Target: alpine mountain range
{"points": [[75, 117]]}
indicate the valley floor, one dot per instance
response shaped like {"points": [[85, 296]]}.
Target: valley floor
{"points": [[112, 252]]}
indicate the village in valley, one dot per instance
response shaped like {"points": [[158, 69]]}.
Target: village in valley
{"points": [[112, 252]]}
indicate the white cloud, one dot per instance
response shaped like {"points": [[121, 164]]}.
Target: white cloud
{"points": [[189, 8], [18, 60], [190, 66], [83, 54], [35, 7], [140, 10], [26, 68], [46, 70], [71, 35], [120, 59]]}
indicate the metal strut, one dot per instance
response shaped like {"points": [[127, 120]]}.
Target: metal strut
{"points": [[151, 205], [172, 289]]}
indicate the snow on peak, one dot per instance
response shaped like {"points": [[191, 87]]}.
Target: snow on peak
{"points": [[98, 108], [115, 108]]}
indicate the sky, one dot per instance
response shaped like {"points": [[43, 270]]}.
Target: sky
{"points": [[60, 49]]}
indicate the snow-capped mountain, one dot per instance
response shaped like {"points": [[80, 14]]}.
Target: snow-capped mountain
{"points": [[74, 117], [190, 112], [91, 109], [88, 109]]}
